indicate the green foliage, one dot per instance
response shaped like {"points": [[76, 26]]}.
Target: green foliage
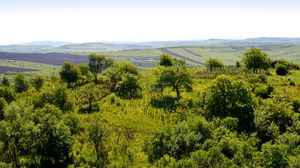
{"points": [[264, 91], [169, 103], [5, 82], [54, 136], [165, 60], [124, 77], [255, 59], [214, 63], [21, 84], [69, 73], [117, 72], [178, 141], [98, 137], [98, 63], [287, 64], [228, 96], [272, 118], [176, 78], [8, 94], [37, 82], [3, 104], [274, 155], [129, 88], [296, 105], [59, 96], [85, 74], [62, 99], [281, 69], [89, 94]]}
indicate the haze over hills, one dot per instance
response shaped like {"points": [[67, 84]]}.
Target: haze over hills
{"points": [[67, 47]]}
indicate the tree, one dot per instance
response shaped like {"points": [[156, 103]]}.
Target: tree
{"points": [[214, 63], [176, 78], [21, 84], [62, 99], [255, 59], [98, 63], [14, 130], [37, 82], [85, 74], [129, 87], [165, 60], [69, 73], [229, 97], [98, 136], [5, 82], [124, 76], [91, 93], [54, 136]]}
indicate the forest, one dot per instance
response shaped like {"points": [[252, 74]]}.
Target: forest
{"points": [[112, 114]]}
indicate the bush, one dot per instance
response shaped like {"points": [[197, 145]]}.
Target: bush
{"points": [[214, 63], [281, 70], [264, 92]]}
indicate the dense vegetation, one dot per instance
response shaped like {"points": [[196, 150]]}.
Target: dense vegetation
{"points": [[112, 114]]}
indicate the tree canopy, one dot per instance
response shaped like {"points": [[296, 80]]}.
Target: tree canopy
{"points": [[255, 59]]}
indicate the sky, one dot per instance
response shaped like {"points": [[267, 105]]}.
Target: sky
{"points": [[146, 20]]}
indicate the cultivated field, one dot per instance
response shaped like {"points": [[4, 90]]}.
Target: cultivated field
{"points": [[147, 58]]}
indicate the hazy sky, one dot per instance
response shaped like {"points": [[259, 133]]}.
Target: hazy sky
{"points": [[146, 20]]}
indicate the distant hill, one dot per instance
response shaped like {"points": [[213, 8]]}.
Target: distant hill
{"points": [[47, 43], [64, 47]]}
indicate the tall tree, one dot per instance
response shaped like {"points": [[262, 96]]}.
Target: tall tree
{"points": [[98, 63]]}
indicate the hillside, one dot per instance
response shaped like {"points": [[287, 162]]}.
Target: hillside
{"points": [[64, 47]]}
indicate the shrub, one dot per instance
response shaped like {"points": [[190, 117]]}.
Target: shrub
{"points": [[281, 70], [264, 92], [214, 63]]}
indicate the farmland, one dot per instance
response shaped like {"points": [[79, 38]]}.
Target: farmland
{"points": [[146, 54]]}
